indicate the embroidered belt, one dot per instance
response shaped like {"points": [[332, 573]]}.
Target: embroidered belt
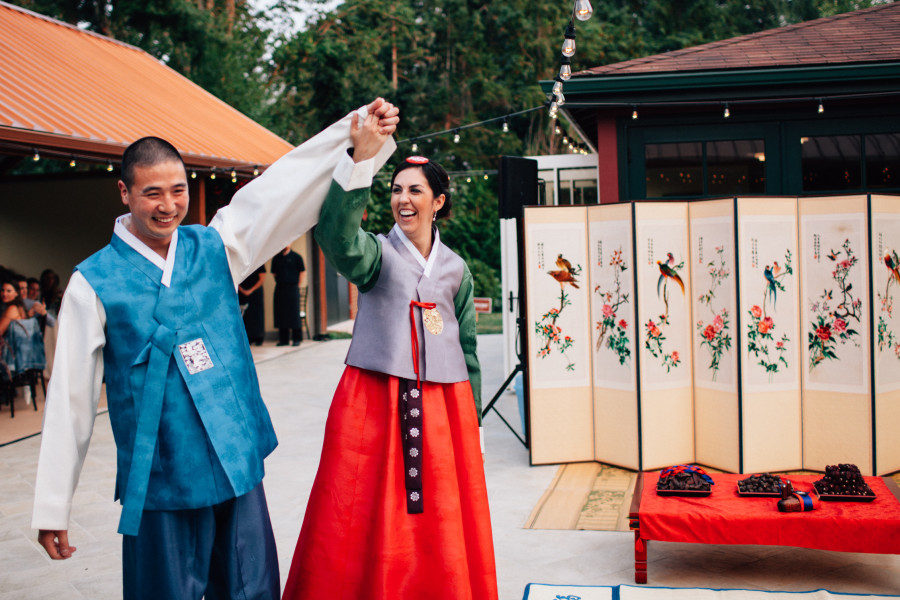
{"points": [[411, 414]]}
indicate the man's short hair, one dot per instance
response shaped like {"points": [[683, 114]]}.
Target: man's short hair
{"points": [[146, 152]]}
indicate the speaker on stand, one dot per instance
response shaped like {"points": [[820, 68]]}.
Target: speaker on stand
{"points": [[518, 188]]}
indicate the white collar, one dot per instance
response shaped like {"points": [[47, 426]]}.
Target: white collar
{"points": [[427, 265], [121, 230]]}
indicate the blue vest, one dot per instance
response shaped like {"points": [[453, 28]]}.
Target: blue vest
{"points": [[190, 426]]}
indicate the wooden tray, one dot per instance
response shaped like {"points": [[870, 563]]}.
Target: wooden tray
{"points": [[758, 494], [840, 498], [685, 493]]}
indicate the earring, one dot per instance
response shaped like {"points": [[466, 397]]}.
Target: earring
{"points": [[434, 217]]}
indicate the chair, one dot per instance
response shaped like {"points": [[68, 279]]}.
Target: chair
{"points": [[304, 292], [24, 356]]}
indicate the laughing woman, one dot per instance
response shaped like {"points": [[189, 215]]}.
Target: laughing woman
{"points": [[399, 507]]}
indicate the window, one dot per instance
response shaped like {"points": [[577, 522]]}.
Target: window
{"points": [[883, 160], [713, 168], [578, 191], [831, 162]]}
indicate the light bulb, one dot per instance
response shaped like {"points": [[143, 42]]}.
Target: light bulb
{"points": [[109, 166], [557, 87], [456, 137], [634, 113], [560, 99], [72, 162], [233, 174], [36, 156], [415, 147], [821, 107], [505, 126], [468, 180], [212, 174], [255, 171], [556, 129], [727, 112], [583, 10], [568, 47], [193, 174], [565, 70], [485, 176], [554, 109]]}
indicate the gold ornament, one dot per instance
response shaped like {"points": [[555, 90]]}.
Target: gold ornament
{"points": [[434, 323]]}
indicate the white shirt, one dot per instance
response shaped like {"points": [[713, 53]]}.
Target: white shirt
{"points": [[263, 218]]}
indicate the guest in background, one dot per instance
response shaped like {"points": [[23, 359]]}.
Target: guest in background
{"points": [[51, 295], [34, 289], [12, 301], [288, 269], [250, 296]]}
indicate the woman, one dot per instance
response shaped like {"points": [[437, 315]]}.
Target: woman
{"points": [[250, 295], [14, 308], [399, 506]]}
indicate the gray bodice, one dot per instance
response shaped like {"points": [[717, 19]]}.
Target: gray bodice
{"points": [[382, 338]]}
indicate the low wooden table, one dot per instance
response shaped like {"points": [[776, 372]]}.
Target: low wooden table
{"points": [[723, 517]]}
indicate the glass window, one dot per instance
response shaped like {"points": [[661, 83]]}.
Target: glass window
{"points": [[883, 160], [674, 169], [578, 191], [831, 162], [736, 167]]}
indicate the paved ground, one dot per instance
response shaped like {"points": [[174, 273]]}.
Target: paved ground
{"points": [[297, 384]]}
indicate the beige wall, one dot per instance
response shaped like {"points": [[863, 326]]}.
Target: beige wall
{"points": [[55, 223]]}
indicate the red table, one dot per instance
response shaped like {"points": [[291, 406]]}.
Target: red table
{"points": [[723, 517]]}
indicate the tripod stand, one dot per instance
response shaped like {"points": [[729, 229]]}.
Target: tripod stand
{"points": [[517, 369]]}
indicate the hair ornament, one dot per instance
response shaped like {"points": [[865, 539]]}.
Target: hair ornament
{"points": [[417, 160]]}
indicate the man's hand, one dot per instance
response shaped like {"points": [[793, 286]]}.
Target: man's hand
{"points": [[387, 115], [56, 543]]}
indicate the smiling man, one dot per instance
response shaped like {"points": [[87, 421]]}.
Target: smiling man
{"points": [[155, 316]]}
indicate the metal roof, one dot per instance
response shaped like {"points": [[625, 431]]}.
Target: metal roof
{"points": [[66, 90]]}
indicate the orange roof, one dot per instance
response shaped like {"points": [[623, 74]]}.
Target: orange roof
{"points": [[864, 36], [75, 91]]}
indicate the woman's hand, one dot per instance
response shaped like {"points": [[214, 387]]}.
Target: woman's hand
{"points": [[369, 136]]}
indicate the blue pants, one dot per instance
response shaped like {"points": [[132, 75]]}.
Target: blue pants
{"points": [[218, 552]]}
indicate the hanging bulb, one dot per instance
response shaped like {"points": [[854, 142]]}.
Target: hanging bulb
{"points": [[821, 107], [634, 113], [109, 166], [727, 112], [556, 129], [36, 157], [505, 126], [565, 70], [193, 174], [468, 180], [212, 173], [560, 99], [583, 10], [565, 139], [233, 174], [456, 137], [485, 176], [256, 171], [557, 87], [72, 162], [568, 47], [554, 109], [415, 147]]}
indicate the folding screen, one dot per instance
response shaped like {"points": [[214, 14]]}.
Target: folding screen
{"points": [[610, 248], [771, 430], [885, 228], [664, 333], [559, 334], [837, 404], [714, 300]]}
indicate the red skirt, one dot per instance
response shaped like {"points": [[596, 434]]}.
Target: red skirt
{"points": [[357, 539]]}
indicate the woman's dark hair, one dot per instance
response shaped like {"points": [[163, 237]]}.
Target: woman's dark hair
{"points": [[17, 301], [435, 175]]}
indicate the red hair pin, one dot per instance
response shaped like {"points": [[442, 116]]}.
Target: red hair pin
{"points": [[417, 160]]}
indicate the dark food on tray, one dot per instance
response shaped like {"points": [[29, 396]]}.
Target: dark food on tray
{"points": [[684, 478], [760, 484], [843, 480]]}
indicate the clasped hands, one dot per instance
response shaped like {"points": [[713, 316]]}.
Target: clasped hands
{"points": [[379, 124]]}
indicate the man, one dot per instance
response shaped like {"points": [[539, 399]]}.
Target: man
{"points": [[156, 315], [288, 269]]}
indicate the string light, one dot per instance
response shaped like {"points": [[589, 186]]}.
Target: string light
{"points": [[634, 113], [583, 10], [212, 173], [255, 171], [568, 46], [193, 174], [556, 129], [558, 86], [565, 70], [456, 136], [415, 147], [36, 156], [727, 112], [485, 176], [109, 166], [505, 126], [821, 107], [72, 162]]}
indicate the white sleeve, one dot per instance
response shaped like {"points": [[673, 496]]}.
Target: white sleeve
{"points": [[71, 405], [279, 206]]}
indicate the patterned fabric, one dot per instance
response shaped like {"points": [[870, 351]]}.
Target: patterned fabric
{"points": [[24, 347]]}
